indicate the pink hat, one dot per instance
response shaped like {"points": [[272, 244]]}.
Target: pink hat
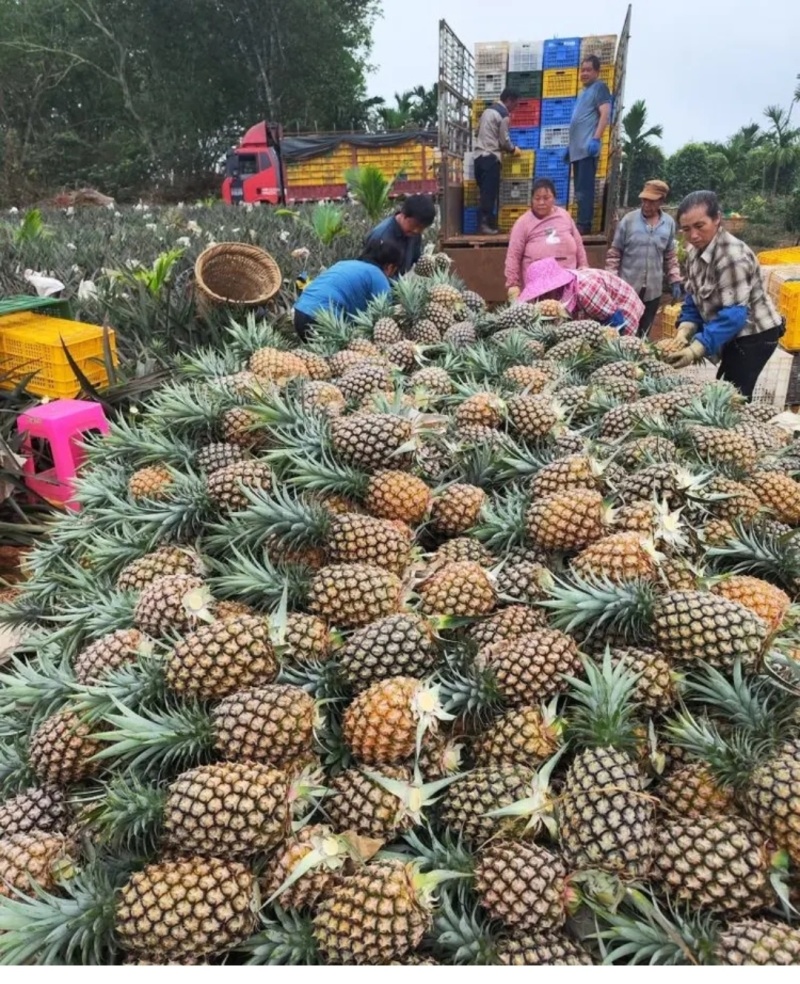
{"points": [[544, 276]]}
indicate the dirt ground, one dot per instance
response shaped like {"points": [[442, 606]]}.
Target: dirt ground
{"points": [[9, 638]]}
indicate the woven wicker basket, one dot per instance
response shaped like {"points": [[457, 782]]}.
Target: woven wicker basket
{"points": [[235, 274]]}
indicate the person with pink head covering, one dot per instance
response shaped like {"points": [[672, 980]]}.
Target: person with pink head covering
{"points": [[595, 294]]}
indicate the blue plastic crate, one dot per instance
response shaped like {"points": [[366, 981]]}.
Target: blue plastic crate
{"points": [[557, 112], [550, 163], [469, 221], [525, 137], [562, 188], [562, 53]]}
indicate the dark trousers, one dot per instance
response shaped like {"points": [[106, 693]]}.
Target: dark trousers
{"points": [[487, 176], [303, 324], [650, 312], [583, 174], [744, 358]]}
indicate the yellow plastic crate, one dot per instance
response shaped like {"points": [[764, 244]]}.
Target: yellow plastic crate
{"points": [[775, 277], [780, 257], [559, 83], [32, 342], [508, 216], [520, 167], [790, 309], [471, 194], [608, 75]]}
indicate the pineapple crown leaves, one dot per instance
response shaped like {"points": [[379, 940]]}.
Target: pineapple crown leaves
{"points": [[286, 938], [471, 691], [640, 932], [731, 759], [327, 476], [539, 806], [243, 339], [465, 935], [38, 687], [718, 405], [447, 851], [333, 332], [16, 773], [139, 445], [190, 411], [181, 516], [297, 522], [74, 926], [753, 704], [322, 679], [89, 616], [413, 797], [256, 580], [331, 851], [152, 740], [502, 522], [597, 603], [762, 553], [205, 363], [603, 710], [139, 684], [127, 815]]}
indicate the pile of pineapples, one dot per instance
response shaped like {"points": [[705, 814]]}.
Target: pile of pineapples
{"points": [[455, 637]]}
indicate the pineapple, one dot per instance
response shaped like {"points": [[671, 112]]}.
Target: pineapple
{"points": [[462, 548], [381, 724], [575, 471], [525, 736], [244, 428], [353, 595], [530, 667], [385, 332], [277, 366], [510, 622], [107, 654], [441, 317], [535, 417], [655, 687], [39, 808], [316, 366], [460, 588], [618, 557], [444, 294], [171, 604], [690, 791], [461, 334], [313, 884], [191, 907], [432, 380], [304, 638], [224, 486], [163, 562], [212, 457], [396, 646], [531, 379], [370, 441], [482, 409], [543, 949], [61, 750], [324, 397], [778, 493], [466, 805], [425, 332], [377, 915], [359, 803], [153, 482], [568, 521], [397, 495], [30, 861], [769, 603], [456, 509], [715, 863], [522, 885], [723, 447], [362, 381], [605, 817], [221, 658]]}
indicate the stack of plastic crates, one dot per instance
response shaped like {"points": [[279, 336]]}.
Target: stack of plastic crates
{"points": [[525, 137], [469, 220], [605, 154], [559, 83], [527, 113], [562, 53], [479, 106], [491, 68], [515, 193], [519, 168], [602, 45], [509, 215], [528, 85], [550, 164]]}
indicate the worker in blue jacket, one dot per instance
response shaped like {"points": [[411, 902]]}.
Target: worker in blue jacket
{"points": [[727, 315], [347, 287]]}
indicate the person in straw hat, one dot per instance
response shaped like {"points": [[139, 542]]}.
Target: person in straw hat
{"points": [[643, 252], [595, 294]]}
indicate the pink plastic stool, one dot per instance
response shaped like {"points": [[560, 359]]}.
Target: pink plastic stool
{"points": [[61, 425]]}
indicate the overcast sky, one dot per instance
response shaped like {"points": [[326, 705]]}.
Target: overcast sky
{"points": [[704, 67]]}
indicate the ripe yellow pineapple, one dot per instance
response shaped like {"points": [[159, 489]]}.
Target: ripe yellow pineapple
{"points": [[458, 588], [568, 521], [274, 365], [224, 486], [351, 595], [153, 482], [160, 563], [481, 409], [61, 750], [618, 557], [523, 885], [108, 653], [397, 495], [456, 509], [778, 492], [273, 724], [768, 602], [33, 859], [172, 604]]}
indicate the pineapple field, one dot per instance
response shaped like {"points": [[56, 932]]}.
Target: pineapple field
{"points": [[456, 636]]}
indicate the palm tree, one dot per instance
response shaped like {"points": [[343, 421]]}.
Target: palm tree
{"points": [[734, 159], [426, 110], [400, 116], [636, 140], [784, 141]]}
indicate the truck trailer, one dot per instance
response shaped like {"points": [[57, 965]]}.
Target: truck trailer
{"points": [[546, 73]]}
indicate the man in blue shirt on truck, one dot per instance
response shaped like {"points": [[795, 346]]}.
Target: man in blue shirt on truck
{"points": [[590, 118]]}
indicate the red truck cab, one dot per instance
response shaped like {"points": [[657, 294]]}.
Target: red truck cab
{"points": [[254, 169]]}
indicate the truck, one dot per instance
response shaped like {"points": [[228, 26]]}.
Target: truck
{"points": [[271, 168], [479, 260]]}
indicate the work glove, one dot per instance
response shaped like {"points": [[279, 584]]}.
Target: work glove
{"points": [[677, 291], [617, 320], [513, 294], [686, 331], [516, 152], [686, 356], [594, 147]]}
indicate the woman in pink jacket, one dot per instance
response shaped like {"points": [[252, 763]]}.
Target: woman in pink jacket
{"points": [[545, 231]]}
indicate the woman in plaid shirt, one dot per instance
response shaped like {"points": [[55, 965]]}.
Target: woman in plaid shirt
{"points": [[726, 315]]}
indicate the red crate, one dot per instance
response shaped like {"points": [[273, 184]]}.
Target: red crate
{"points": [[528, 112]]}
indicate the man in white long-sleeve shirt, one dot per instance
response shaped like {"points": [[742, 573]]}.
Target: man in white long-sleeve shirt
{"points": [[492, 142]]}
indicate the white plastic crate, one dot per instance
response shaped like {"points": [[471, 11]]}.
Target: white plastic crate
{"points": [[491, 56], [773, 384], [554, 136], [489, 85], [526, 56], [469, 165]]}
